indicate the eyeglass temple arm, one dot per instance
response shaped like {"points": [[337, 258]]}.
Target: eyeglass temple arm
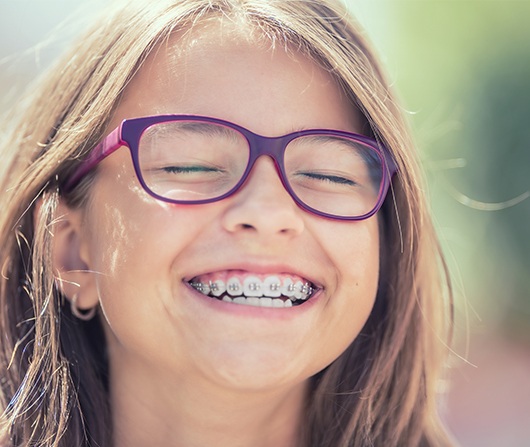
{"points": [[106, 147], [392, 166]]}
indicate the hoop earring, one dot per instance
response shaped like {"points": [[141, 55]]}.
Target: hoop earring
{"points": [[84, 315]]}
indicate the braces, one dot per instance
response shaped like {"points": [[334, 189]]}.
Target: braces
{"points": [[234, 287], [306, 289]]}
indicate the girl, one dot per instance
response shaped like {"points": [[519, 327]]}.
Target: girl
{"points": [[213, 234]]}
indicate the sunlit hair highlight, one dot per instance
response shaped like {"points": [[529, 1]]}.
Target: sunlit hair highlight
{"points": [[53, 368]]}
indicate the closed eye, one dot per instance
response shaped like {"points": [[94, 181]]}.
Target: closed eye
{"points": [[188, 169], [328, 178]]}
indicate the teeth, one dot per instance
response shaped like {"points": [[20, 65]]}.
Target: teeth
{"points": [[298, 290], [265, 302], [252, 286], [233, 287], [259, 302], [217, 288], [203, 288], [255, 291], [306, 291], [288, 288], [272, 286], [253, 301]]}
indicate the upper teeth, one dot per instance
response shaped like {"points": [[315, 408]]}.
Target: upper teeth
{"points": [[254, 287]]}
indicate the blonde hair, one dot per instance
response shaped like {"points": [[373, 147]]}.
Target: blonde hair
{"points": [[53, 391]]}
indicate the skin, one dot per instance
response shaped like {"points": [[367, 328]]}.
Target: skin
{"points": [[187, 370]]}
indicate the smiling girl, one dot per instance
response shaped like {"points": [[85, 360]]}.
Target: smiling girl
{"points": [[213, 235]]}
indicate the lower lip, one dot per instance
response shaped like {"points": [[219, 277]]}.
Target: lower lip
{"points": [[255, 311]]}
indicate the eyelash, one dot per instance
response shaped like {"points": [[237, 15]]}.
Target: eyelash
{"points": [[329, 178], [187, 169]]}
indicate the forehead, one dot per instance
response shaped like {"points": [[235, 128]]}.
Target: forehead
{"points": [[221, 66]]}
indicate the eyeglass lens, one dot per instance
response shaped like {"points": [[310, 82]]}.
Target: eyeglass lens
{"points": [[193, 160]]}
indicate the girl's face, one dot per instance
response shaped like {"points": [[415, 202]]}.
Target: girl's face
{"points": [[145, 252]]}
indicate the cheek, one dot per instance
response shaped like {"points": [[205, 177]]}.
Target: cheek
{"points": [[115, 240], [352, 249], [127, 237], [358, 257], [133, 244], [134, 241], [130, 229]]}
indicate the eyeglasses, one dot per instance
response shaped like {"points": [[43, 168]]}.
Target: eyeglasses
{"points": [[189, 159]]}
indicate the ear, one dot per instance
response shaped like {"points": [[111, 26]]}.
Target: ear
{"points": [[70, 257]]}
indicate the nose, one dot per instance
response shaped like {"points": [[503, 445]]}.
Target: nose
{"points": [[263, 206]]}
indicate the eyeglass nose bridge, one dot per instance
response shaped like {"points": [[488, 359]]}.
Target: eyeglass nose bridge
{"points": [[273, 147]]}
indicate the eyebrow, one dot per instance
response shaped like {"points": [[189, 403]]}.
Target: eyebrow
{"points": [[197, 127]]}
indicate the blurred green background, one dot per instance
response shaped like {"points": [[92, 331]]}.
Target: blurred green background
{"points": [[462, 69]]}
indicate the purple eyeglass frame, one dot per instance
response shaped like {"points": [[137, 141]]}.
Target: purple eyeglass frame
{"points": [[129, 132]]}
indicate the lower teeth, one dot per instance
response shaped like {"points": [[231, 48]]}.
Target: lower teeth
{"points": [[259, 302]]}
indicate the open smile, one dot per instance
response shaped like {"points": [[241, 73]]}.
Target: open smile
{"points": [[274, 290]]}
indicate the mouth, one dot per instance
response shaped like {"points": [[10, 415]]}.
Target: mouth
{"points": [[272, 291]]}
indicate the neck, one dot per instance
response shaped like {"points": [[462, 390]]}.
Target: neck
{"points": [[188, 413]]}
